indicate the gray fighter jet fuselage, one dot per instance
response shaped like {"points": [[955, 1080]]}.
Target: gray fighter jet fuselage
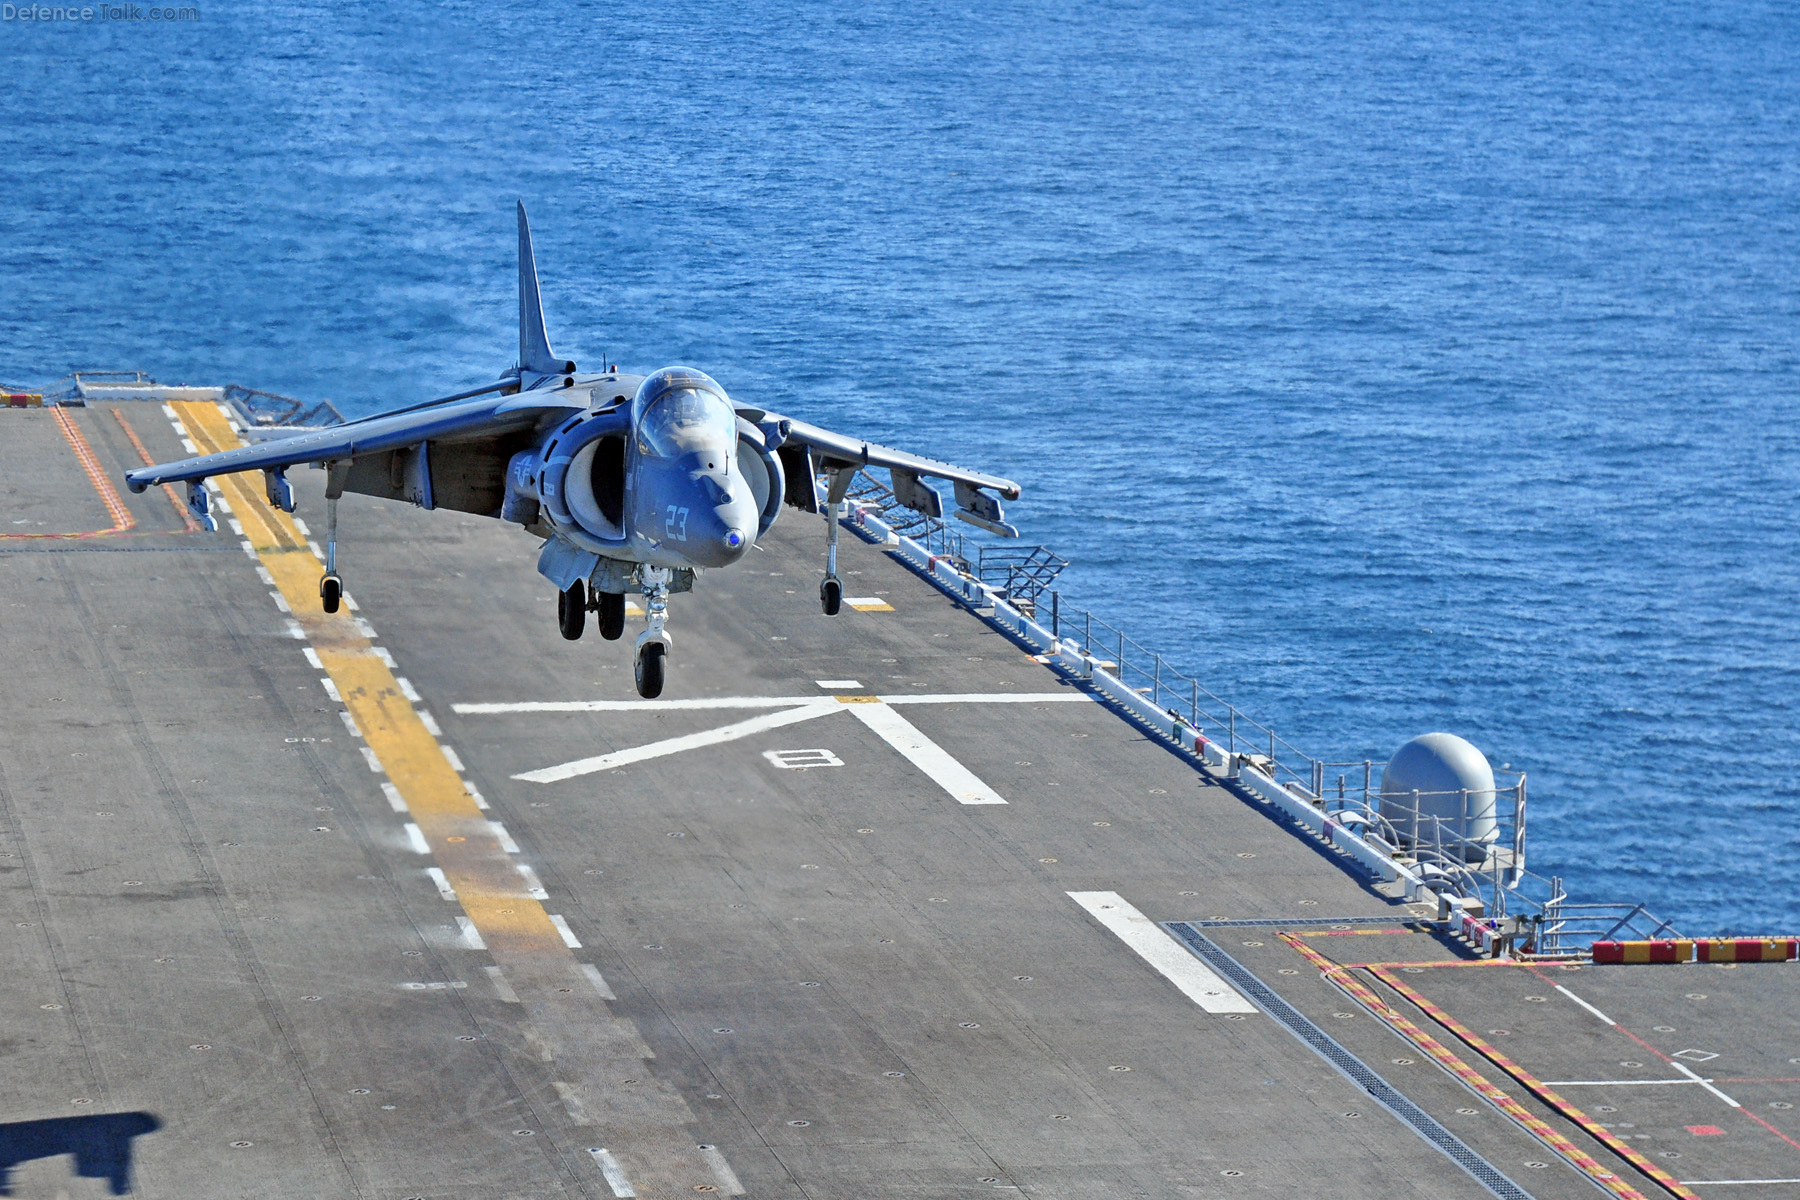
{"points": [[633, 482]]}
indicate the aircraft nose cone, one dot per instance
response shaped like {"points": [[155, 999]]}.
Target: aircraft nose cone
{"points": [[731, 546]]}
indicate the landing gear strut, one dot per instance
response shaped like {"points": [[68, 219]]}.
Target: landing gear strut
{"points": [[653, 643], [831, 590], [571, 610], [331, 588], [612, 614]]}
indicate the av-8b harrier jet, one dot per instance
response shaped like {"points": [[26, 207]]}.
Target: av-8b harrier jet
{"points": [[634, 482]]}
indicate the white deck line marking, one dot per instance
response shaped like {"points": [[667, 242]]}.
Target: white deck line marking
{"points": [[363, 627], [615, 1175], [541, 706], [475, 795], [395, 800], [533, 885], [316, 552], [442, 880], [237, 526], [247, 548], [369, 757], [568, 935], [721, 1169], [387, 660], [428, 721], [349, 723], [925, 754], [506, 842], [262, 573], [1577, 999], [406, 689], [312, 658], [997, 698], [1154, 945], [571, 1098], [280, 601], [500, 708], [675, 745], [471, 936], [451, 758], [834, 684], [501, 986], [591, 973], [416, 837], [295, 632], [1615, 1082], [301, 526], [331, 689], [350, 603], [1683, 1068]]}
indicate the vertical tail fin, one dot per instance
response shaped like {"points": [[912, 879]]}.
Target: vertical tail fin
{"points": [[534, 340]]}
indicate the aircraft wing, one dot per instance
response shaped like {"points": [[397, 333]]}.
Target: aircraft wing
{"points": [[464, 443], [835, 452]]}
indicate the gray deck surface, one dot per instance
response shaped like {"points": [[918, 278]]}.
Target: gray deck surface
{"points": [[829, 982]]}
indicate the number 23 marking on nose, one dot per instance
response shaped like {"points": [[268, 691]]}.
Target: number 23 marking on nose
{"points": [[675, 523]]}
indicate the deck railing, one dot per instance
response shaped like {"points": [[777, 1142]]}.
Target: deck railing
{"points": [[1487, 877]]}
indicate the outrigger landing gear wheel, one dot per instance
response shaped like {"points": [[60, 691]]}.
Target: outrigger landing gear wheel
{"points": [[612, 615], [331, 591], [831, 596], [571, 611], [650, 662]]}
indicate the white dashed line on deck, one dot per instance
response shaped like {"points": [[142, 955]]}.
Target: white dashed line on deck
{"points": [[1150, 942], [591, 973], [615, 1174], [501, 988]]}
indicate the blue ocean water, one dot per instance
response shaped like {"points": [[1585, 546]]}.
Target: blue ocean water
{"points": [[1396, 367]]}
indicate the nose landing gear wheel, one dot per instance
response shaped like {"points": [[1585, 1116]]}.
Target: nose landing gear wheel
{"points": [[612, 615], [331, 590], [831, 596], [650, 662], [571, 611]]}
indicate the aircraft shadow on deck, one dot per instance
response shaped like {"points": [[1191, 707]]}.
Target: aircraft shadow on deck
{"points": [[101, 1144]]}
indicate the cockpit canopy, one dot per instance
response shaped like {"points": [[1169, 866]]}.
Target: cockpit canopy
{"points": [[678, 411]]}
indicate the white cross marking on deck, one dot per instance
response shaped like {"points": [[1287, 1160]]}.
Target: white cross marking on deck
{"points": [[874, 712], [925, 754]]}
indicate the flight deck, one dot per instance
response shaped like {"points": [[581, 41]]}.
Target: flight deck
{"points": [[421, 900]]}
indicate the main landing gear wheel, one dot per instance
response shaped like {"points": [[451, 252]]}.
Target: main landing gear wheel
{"points": [[831, 596], [650, 663], [571, 611], [612, 615], [331, 591]]}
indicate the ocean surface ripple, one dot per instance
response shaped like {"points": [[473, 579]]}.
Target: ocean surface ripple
{"points": [[1394, 367]]}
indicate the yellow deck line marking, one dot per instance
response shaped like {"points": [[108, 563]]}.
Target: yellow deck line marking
{"points": [[483, 876], [137, 444], [1343, 978], [122, 520], [536, 960]]}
